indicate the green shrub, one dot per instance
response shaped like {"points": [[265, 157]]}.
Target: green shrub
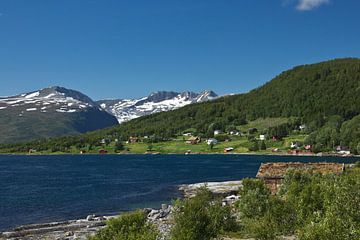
{"points": [[119, 146], [262, 145], [254, 146], [357, 164], [261, 229], [130, 226], [254, 200], [222, 137], [201, 217]]}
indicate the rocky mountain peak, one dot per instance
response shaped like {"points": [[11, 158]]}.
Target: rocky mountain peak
{"points": [[127, 109], [61, 92]]}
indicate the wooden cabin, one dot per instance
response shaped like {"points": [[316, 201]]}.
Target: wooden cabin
{"points": [[274, 173], [193, 140]]}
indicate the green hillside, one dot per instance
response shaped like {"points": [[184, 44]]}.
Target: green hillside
{"points": [[309, 94], [327, 88]]}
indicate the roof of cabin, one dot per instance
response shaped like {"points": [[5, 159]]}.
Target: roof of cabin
{"points": [[278, 170], [193, 138]]}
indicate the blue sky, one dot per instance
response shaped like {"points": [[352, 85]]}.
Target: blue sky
{"points": [[129, 48]]}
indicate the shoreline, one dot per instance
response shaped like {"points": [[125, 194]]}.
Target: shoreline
{"points": [[194, 153], [81, 228]]}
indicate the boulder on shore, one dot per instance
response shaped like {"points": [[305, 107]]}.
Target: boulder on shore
{"points": [[223, 189]]}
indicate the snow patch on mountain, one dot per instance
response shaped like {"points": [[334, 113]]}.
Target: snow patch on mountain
{"points": [[128, 109]]}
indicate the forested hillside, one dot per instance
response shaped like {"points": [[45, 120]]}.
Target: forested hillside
{"points": [[308, 91], [311, 93]]}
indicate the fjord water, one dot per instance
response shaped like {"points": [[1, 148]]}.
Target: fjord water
{"points": [[35, 189]]}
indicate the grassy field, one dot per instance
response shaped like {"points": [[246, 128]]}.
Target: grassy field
{"points": [[178, 146], [262, 124]]}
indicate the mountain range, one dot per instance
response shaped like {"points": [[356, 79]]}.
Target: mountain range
{"points": [[58, 111], [128, 109]]}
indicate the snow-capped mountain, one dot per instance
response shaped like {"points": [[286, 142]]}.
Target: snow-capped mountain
{"points": [[56, 99], [127, 109], [50, 112]]}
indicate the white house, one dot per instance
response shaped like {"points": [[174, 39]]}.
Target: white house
{"points": [[302, 126], [234, 132], [262, 137], [217, 132], [294, 145], [211, 141]]}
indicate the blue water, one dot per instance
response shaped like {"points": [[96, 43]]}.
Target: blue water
{"points": [[35, 189]]}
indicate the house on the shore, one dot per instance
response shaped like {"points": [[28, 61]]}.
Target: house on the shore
{"points": [[193, 140], [228, 149], [103, 151], [294, 145], [274, 173], [343, 150]]}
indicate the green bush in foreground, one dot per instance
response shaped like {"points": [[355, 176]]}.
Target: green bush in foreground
{"points": [[254, 198], [131, 226], [310, 206], [201, 218]]}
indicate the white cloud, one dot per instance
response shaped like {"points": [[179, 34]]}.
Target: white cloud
{"points": [[307, 5]]}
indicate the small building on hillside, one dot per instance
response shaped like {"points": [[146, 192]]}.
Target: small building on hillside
{"points": [[302, 127], [217, 132], [234, 132], [211, 141], [134, 140], [274, 173], [294, 145], [275, 138], [193, 140]]}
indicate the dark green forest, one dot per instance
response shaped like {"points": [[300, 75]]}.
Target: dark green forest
{"points": [[324, 96]]}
